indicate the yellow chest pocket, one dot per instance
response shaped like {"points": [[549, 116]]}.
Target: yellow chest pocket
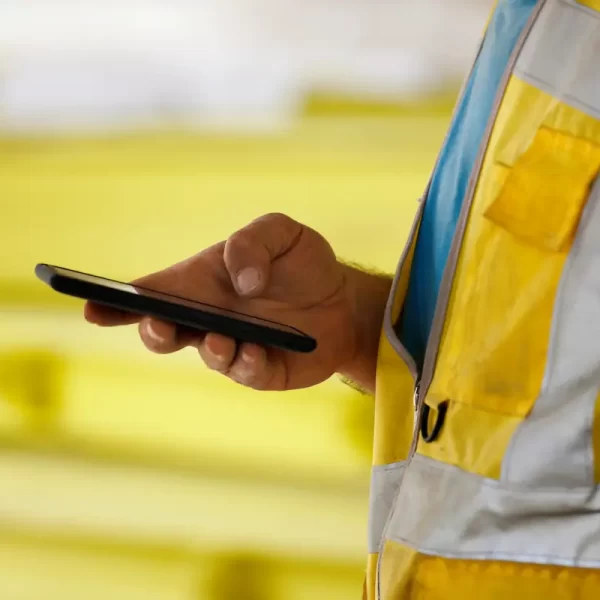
{"points": [[494, 351], [522, 225], [545, 192]]}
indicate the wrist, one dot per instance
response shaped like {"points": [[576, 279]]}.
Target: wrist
{"points": [[367, 295]]}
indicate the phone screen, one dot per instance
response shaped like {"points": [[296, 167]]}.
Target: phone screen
{"points": [[148, 293]]}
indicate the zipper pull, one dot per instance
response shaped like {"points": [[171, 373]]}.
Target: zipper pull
{"points": [[417, 422], [416, 396]]}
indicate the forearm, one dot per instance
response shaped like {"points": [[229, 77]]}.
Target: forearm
{"points": [[369, 293]]}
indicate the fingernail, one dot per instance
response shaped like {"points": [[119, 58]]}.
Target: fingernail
{"points": [[217, 357], [248, 280], [152, 334], [247, 357]]}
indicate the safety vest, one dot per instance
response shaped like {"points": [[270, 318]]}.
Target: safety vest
{"points": [[486, 476]]}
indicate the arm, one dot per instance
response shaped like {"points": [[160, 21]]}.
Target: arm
{"points": [[278, 269], [370, 293]]}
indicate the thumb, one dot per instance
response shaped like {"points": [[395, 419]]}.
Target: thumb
{"points": [[249, 252]]}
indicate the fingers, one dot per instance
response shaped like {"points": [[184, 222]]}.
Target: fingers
{"points": [[247, 365], [164, 338], [218, 352], [171, 281], [108, 317], [249, 253]]}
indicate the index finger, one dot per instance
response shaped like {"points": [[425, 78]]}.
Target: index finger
{"points": [[105, 316], [175, 280]]}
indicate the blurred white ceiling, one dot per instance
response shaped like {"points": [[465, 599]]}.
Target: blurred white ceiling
{"points": [[80, 65]]}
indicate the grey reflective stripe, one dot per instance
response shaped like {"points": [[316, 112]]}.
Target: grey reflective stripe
{"points": [[385, 481], [562, 55], [553, 447], [445, 511]]}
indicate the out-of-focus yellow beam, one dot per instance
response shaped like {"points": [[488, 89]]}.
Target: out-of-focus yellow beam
{"points": [[110, 392], [55, 493], [128, 206]]}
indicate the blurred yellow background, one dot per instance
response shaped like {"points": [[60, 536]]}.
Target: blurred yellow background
{"points": [[129, 475]]}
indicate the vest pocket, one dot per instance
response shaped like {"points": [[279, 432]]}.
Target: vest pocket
{"points": [[545, 192], [533, 221], [524, 219]]}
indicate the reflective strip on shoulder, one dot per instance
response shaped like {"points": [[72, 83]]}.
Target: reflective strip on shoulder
{"points": [[561, 55], [385, 481], [554, 446], [445, 511]]}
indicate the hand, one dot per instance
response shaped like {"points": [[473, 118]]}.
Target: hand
{"points": [[274, 268]]}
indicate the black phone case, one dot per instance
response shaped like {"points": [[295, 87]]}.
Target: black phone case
{"points": [[187, 317]]}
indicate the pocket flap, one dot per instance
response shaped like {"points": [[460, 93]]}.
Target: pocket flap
{"points": [[546, 190]]}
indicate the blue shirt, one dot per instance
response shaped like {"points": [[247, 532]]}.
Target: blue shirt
{"points": [[451, 176]]}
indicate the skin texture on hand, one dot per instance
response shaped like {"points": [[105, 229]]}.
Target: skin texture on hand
{"points": [[278, 269]]}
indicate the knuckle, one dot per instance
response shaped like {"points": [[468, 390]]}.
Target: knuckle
{"points": [[277, 217], [275, 222], [261, 237], [284, 224], [239, 246], [241, 239]]}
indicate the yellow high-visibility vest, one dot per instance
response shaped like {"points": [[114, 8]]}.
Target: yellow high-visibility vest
{"points": [[486, 476]]}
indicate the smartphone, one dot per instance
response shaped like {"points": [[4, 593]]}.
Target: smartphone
{"points": [[181, 311]]}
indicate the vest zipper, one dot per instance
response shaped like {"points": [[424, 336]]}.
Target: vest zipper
{"points": [[423, 380], [416, 394], [389, 325], [439, 319]]}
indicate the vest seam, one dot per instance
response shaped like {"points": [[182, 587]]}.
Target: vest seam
{"points": [[389, 466], [559, 560], [582, 8], [497, 484], [546, 87]]}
